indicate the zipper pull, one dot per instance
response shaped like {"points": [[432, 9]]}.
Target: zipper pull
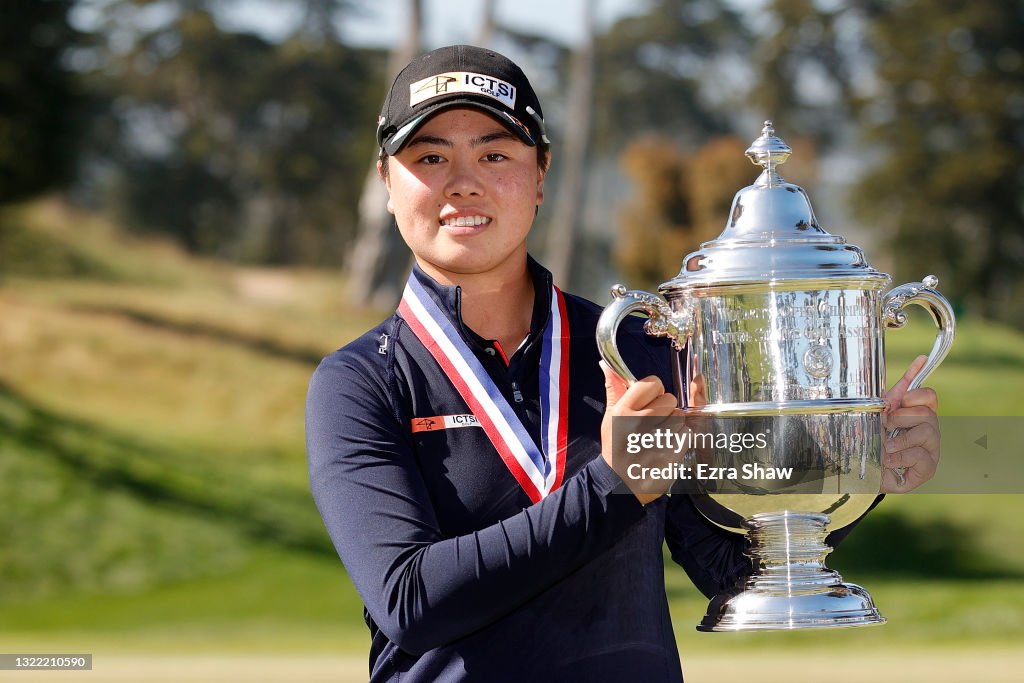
{"points": [[516, 394]]}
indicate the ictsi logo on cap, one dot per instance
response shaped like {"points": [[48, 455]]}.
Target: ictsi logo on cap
{"points": [[433, 424], [462, 82]]}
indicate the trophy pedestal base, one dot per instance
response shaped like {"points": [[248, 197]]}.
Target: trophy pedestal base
{"points": [[843, 605], [792, 588]]}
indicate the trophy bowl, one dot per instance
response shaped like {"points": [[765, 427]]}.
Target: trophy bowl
{"points": [[785, 324]]}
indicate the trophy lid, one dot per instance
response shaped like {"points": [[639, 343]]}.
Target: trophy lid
{"points": [[772, 236]]}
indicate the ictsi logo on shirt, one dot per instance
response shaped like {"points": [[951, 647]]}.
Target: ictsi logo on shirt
{"points": [[433, 424]]}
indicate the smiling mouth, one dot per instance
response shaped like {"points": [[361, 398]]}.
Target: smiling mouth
{"points": [[465, 221]]}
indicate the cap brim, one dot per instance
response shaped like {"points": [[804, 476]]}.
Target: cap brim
{"points": [[396, 142]]}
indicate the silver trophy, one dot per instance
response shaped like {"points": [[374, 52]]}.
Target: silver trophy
{"points": [[785, 323]]}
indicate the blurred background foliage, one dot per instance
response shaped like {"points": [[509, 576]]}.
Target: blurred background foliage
{"points": [[169, 119], [189, 220]]}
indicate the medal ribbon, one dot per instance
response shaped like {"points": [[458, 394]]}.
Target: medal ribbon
{"points": [[538, 470]]}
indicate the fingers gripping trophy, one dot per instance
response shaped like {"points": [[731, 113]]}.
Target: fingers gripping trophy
{"points": [[785, 324]]}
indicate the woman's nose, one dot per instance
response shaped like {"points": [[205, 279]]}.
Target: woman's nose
{"points": [[463, 180]]}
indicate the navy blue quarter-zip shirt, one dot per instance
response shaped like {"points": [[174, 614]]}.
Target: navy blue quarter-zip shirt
{"points": [[462, 577]]}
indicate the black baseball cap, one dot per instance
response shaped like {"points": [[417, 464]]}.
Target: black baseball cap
{"points": [[460, 76]]}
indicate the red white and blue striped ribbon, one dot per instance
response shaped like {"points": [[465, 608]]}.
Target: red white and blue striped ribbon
{"points": [[538, 470]]}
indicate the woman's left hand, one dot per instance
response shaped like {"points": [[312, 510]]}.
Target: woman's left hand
{"points": [[915, 449]]}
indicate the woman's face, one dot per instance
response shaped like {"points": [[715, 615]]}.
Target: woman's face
{"points": [[464, 192]]}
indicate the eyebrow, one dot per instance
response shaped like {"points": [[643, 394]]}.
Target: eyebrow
{"points": [[475, 142]]}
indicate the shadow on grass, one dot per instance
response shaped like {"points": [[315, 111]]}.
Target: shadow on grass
{"points": [[192, 483], [891, 545], [308, 356]]}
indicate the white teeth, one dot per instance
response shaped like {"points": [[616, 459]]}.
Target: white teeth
{"points": [[465, 221]]}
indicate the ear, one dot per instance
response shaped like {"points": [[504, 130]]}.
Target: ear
{"points": [[386, 177], [542, 172]]}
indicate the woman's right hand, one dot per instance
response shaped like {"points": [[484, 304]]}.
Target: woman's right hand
{"points": [[645, 398]]}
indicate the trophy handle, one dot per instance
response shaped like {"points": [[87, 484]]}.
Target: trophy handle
{"points": [[925, 295], [662, 323]]}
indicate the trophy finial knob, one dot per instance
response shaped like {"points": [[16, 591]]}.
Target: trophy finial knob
{"points": [[769, 152]]}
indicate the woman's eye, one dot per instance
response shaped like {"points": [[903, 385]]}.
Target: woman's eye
{"points": [[431, 159]]}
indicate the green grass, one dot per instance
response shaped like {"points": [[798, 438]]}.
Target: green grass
{"points": [[153, 484], [920, 613], [278, 602]]}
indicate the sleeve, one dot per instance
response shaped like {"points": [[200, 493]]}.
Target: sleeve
{"points": [[421, 589], [711, 556]]}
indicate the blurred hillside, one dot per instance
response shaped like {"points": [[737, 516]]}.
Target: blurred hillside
{"points": [[150, 406]]}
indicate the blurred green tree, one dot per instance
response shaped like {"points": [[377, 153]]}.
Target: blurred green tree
{"points": [[671, 74], [807, 56], [379, 260], [564, 224], [38, 96], [947, 117], [673, 69], [237, 146]]}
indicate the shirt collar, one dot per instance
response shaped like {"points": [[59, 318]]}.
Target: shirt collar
{"points": [[449, 299]]}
